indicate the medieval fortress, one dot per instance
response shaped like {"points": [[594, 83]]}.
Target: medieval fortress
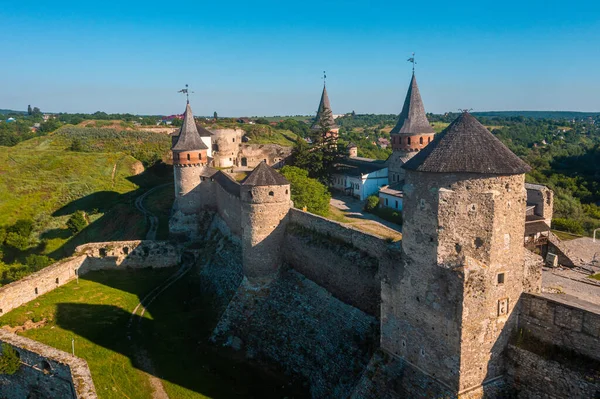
{"points": [[444, 313]]}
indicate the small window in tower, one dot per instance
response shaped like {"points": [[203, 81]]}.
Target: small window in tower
{"points": [[57, 281], [188, 157], [36, 291], [408, 141], [199, 155], [386, 202], [429, 140], [420, 140], [271, 193], [399, 140], [500, 278], [233, 139]]}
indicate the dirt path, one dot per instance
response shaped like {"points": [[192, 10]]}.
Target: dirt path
{"points": [[134, 326], [139, 204]]}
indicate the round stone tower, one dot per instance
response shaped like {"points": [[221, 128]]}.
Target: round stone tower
{"points": [[265, 196], [411, 134], [463, 269], [189, 161]]}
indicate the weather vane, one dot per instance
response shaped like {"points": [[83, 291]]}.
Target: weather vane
{"points": [[465, 110], [324, 78], [412, 59], [187, 92]]}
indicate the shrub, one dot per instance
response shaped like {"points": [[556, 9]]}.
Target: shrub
{"points": [[570, 225], [37, 262], [307, 192], [372, 203], [17, 241], [77, 222], [9, 360], [389, 214]]}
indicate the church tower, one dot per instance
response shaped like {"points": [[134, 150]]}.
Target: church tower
{"points": [[325, 116], [447, 308], [189, 161], [411, 134]]}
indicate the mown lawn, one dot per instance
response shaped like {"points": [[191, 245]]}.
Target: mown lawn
{"points": [[95, 313]]}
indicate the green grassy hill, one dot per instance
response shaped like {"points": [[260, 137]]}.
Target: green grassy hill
{"points": [[44, 181]]}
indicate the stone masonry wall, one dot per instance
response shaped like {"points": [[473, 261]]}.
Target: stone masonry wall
{"points": [[253, 154], [348, 273], [365, 242], [229, 208], [30, 287], [45, 372], [562, 320], [92, 256], [132, 254], [533, 377]]}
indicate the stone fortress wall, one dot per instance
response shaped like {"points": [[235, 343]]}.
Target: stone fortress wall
{"points": [[45, 372]]}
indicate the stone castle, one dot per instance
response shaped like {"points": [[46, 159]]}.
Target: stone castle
{"points": [[447, 300], [446, 312]]}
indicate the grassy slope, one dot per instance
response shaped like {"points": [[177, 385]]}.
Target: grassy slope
{"points": [[95, 312], [39, 176], [42, 180]]}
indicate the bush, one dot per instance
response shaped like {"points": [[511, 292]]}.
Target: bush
{"points": [[307, 192], [570, 225], [17, 241], [37, 262], [77, 222], [372, 203], [9, 360], [389, 214]]}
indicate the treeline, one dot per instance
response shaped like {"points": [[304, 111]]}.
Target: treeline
{"points": [[566, 158]]}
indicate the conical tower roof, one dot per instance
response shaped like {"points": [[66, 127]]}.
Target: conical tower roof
{"points": [[264, 175], [189, 138], [466, 146], [324, 113], [412, 119]]}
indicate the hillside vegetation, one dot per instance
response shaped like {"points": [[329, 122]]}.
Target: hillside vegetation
{"points": [[46, 180]]}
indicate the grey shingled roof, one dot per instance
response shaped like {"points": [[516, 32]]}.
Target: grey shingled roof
{"points": [[412, 119], [189, 138], [323, 106], [264, 175], [466, 146]]}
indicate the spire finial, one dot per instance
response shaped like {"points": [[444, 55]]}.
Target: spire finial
{"points": [[187, 92], [324, 78], [412, 59]]}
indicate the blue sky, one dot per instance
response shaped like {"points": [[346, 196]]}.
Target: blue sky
{"points": [[267, 57]]}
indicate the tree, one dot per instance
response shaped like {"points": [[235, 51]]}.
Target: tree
{"points": [[372, 203], [76, 145], [262, 121], [307, 192], [77, 222], [29, 111], [36, 111], [9, 360], [215, 115]]}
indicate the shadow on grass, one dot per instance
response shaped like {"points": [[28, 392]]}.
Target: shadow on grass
{"points": [[120, 221], [176, 337]]}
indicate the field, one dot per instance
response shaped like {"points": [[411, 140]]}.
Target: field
{"points": [[174, 335]]}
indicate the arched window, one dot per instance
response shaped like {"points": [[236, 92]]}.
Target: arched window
{"points": [[420, 140], [271, 193], [199, 155]]}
